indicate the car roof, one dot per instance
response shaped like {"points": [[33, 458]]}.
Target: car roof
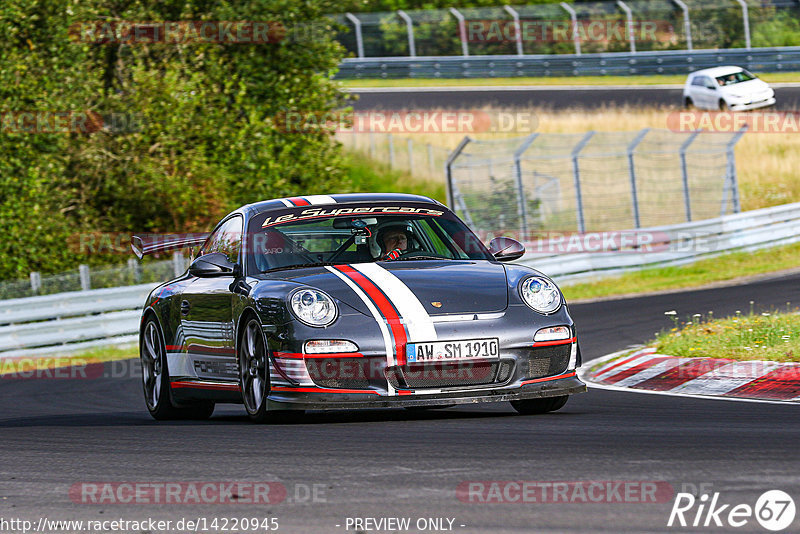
{"points": [[717, 71], [322, 200]]}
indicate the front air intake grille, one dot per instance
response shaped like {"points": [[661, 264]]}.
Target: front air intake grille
{"points": [[347, 373], [547, 361], [449, 375], [506, 368]]}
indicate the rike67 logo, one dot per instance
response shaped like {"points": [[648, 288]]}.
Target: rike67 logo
{"points": [[774, 510]]}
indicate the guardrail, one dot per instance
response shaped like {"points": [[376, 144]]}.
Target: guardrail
{"points": [[615, 63], [75, 321], [69, 322], [664, 245]]}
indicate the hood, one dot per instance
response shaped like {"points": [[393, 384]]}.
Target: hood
{"points": [[747, 88], [461, 287]]}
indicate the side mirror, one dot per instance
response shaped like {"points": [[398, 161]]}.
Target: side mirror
{"points": [[506, 249], [214, 264]]}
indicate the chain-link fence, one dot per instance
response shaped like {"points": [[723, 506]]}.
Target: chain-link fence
{"points": [[84, 278], [572, 28], [421, 160], [592, 182]]}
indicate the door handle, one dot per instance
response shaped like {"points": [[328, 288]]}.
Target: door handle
{"points": [[185, 307]]}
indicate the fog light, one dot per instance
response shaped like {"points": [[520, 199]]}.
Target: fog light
{"points": [[328, 346], [553, 333]]}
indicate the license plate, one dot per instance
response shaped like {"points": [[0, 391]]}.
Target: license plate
{"points": [[453, 351]]}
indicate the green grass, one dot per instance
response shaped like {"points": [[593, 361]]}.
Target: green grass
{"points": [[718, 269], [775, 77], [99, 355], [369, 176], [767, 336]]}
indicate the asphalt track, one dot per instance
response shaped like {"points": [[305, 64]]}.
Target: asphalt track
{"points": [[393, 463], [788, 98]]}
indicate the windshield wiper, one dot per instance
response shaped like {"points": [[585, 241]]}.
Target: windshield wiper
{"points": [[299, 266], [421, 257]]}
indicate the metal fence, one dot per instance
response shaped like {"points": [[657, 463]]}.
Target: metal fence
{"points": [[572, 28], [784, 59], [592, 181], [85, 278], [421, 160]]}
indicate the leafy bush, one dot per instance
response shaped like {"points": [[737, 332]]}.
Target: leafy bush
{"points": [[206, 136]]}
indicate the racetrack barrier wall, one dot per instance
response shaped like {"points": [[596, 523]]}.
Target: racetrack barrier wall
{"points": [[777, 59]]}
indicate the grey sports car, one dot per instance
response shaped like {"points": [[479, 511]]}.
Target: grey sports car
{"points": [[352, 301]]}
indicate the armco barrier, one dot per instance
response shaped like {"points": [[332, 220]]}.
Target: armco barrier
{"points": [[671, 245], [617, 63], [66, 322], [39, 326]]}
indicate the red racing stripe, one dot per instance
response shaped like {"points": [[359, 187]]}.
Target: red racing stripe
{"points": [[384, 306], [300, 356], [681, 374], [323, 390], [299, 201], [782, 383], [556, 342], [204, 385], [545, 379]]}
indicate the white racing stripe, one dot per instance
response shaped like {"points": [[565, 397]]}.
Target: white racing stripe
{"points": [[387, 339], [417, 321], [287, 203], [316, 200]]}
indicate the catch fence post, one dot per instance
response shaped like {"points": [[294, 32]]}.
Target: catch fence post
{"points": [[632, 174], [410, 144], [359, 37], [391, 151], [522, 206], [86, 280], [177, 263], [687, 200], [687, 24], [576, 175], [36, 282]]}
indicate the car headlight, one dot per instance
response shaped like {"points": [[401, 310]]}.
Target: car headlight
{"points": [[313, 307], [540, 294]]}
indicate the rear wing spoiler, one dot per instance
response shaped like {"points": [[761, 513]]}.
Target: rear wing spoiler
{"points": [[145, 244]]}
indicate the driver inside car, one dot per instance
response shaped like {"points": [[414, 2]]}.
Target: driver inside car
{"points": [[393, 241]]}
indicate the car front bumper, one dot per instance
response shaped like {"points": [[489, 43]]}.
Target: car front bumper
{"points": [[754, 105], [328, 399]]}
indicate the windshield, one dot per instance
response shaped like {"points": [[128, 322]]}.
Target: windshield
{"points": [[736, 77], [315, 236]]}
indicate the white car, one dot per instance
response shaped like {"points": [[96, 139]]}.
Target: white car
{"points": [[726, 88]]}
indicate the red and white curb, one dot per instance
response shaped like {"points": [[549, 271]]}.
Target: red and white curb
{"points": [[648, 372]]}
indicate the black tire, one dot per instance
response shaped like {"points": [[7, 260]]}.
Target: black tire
{"points": [[688, 104], [723, 106], [539, 406], [253, 358], [155, 380]]}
